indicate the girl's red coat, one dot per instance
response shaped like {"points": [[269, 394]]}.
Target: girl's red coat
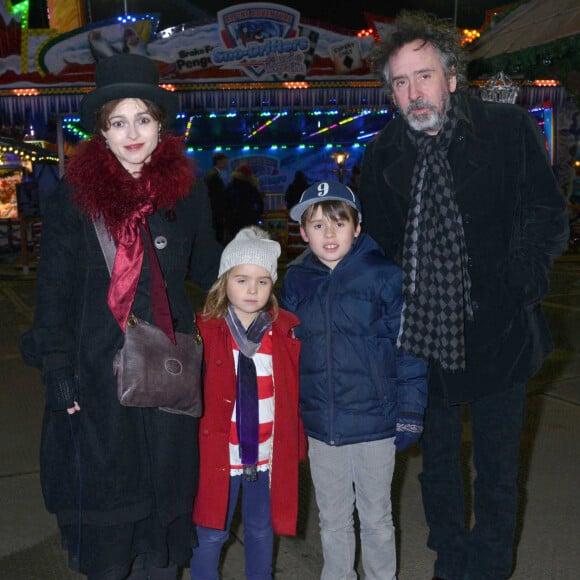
{"points": [[289, 443]]}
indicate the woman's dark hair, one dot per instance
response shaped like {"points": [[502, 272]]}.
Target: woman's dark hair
{"points": [[102, 115], [412, 26]]}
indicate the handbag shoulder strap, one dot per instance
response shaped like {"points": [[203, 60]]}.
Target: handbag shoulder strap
{"points": [[109, 250], [106, 242]]}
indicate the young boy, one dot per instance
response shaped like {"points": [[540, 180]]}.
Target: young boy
{"points": [[360, 397]]}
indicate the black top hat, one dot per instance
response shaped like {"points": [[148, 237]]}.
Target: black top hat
{"points": [[126, 76]]}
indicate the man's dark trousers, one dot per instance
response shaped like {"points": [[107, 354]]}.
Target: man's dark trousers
{"points": [[485, 551]]}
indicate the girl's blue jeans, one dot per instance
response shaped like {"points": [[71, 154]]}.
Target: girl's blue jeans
{"points": [[258, 533]]}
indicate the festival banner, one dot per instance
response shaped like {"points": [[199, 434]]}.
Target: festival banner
{"points": [[252, 42]]}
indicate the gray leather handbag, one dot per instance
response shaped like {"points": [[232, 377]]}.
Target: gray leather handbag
{"points": [[150, 370]]}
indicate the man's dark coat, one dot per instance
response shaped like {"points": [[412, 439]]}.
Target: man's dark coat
{"points": [[515, 222]]}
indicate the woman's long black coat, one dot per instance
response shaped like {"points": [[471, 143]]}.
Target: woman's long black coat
{"points": [[131, 462], [515, 222]]}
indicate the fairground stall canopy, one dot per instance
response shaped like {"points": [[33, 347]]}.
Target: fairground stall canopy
{"points": [[261, 82], [537, 45]]}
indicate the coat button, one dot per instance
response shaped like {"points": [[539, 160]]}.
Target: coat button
{"points": [[206, 431], [219, 362], [475, 305], [467, 219], [160, 242]]}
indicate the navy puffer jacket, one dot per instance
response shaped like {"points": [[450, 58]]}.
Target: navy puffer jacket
{"points": [[353, 379]]}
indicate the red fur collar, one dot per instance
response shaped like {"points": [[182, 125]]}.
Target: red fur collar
{"points": [[102, 186]]}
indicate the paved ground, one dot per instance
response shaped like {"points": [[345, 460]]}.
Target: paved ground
{"points": [[549, 522]]}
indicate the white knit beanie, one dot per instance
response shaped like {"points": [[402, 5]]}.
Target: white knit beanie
{"points": [[251, 245]]}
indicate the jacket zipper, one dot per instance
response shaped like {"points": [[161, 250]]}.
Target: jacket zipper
{"points": [[330, 390]]}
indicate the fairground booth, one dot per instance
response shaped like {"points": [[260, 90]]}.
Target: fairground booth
{"points": [[259, 82]]}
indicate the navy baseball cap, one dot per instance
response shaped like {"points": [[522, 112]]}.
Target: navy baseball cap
{"points": [[325, 191]]}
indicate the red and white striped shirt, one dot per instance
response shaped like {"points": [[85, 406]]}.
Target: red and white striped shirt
{"points": [[263, 361]]}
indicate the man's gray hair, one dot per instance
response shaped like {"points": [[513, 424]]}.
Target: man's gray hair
{"points": [[418, 25]]}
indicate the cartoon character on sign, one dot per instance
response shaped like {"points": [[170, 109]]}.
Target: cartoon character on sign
{"points": [[262, 39], [258, 31]]}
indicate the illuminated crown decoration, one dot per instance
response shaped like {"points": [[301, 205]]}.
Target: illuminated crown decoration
{"points": [[499, 89]]}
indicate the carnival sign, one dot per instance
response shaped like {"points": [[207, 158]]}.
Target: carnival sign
{"points": [[263, 40], [256, 42]]}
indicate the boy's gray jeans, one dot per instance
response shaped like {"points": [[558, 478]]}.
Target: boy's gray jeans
{"points": [[344, 477]]}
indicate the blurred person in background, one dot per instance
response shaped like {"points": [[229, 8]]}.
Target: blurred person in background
{"points": [[296, 189], [215, 179], [245, 202]]}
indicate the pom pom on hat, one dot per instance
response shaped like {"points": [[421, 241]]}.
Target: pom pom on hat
{"points": [[251, 245]]}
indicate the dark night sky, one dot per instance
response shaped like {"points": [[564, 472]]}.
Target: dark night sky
{"points": [[347, 14]]}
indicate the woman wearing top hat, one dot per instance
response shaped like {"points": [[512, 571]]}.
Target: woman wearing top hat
{"points": [[121, 480]]}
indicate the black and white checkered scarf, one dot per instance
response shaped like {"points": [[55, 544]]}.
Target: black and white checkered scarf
{"points": [[436, 283]]}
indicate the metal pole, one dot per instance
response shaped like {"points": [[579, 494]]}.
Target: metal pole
{"points": [[455, 14], [89, 12], [60, 144]]}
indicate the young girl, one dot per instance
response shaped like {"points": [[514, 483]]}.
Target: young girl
{"points": [[251, 436]]}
